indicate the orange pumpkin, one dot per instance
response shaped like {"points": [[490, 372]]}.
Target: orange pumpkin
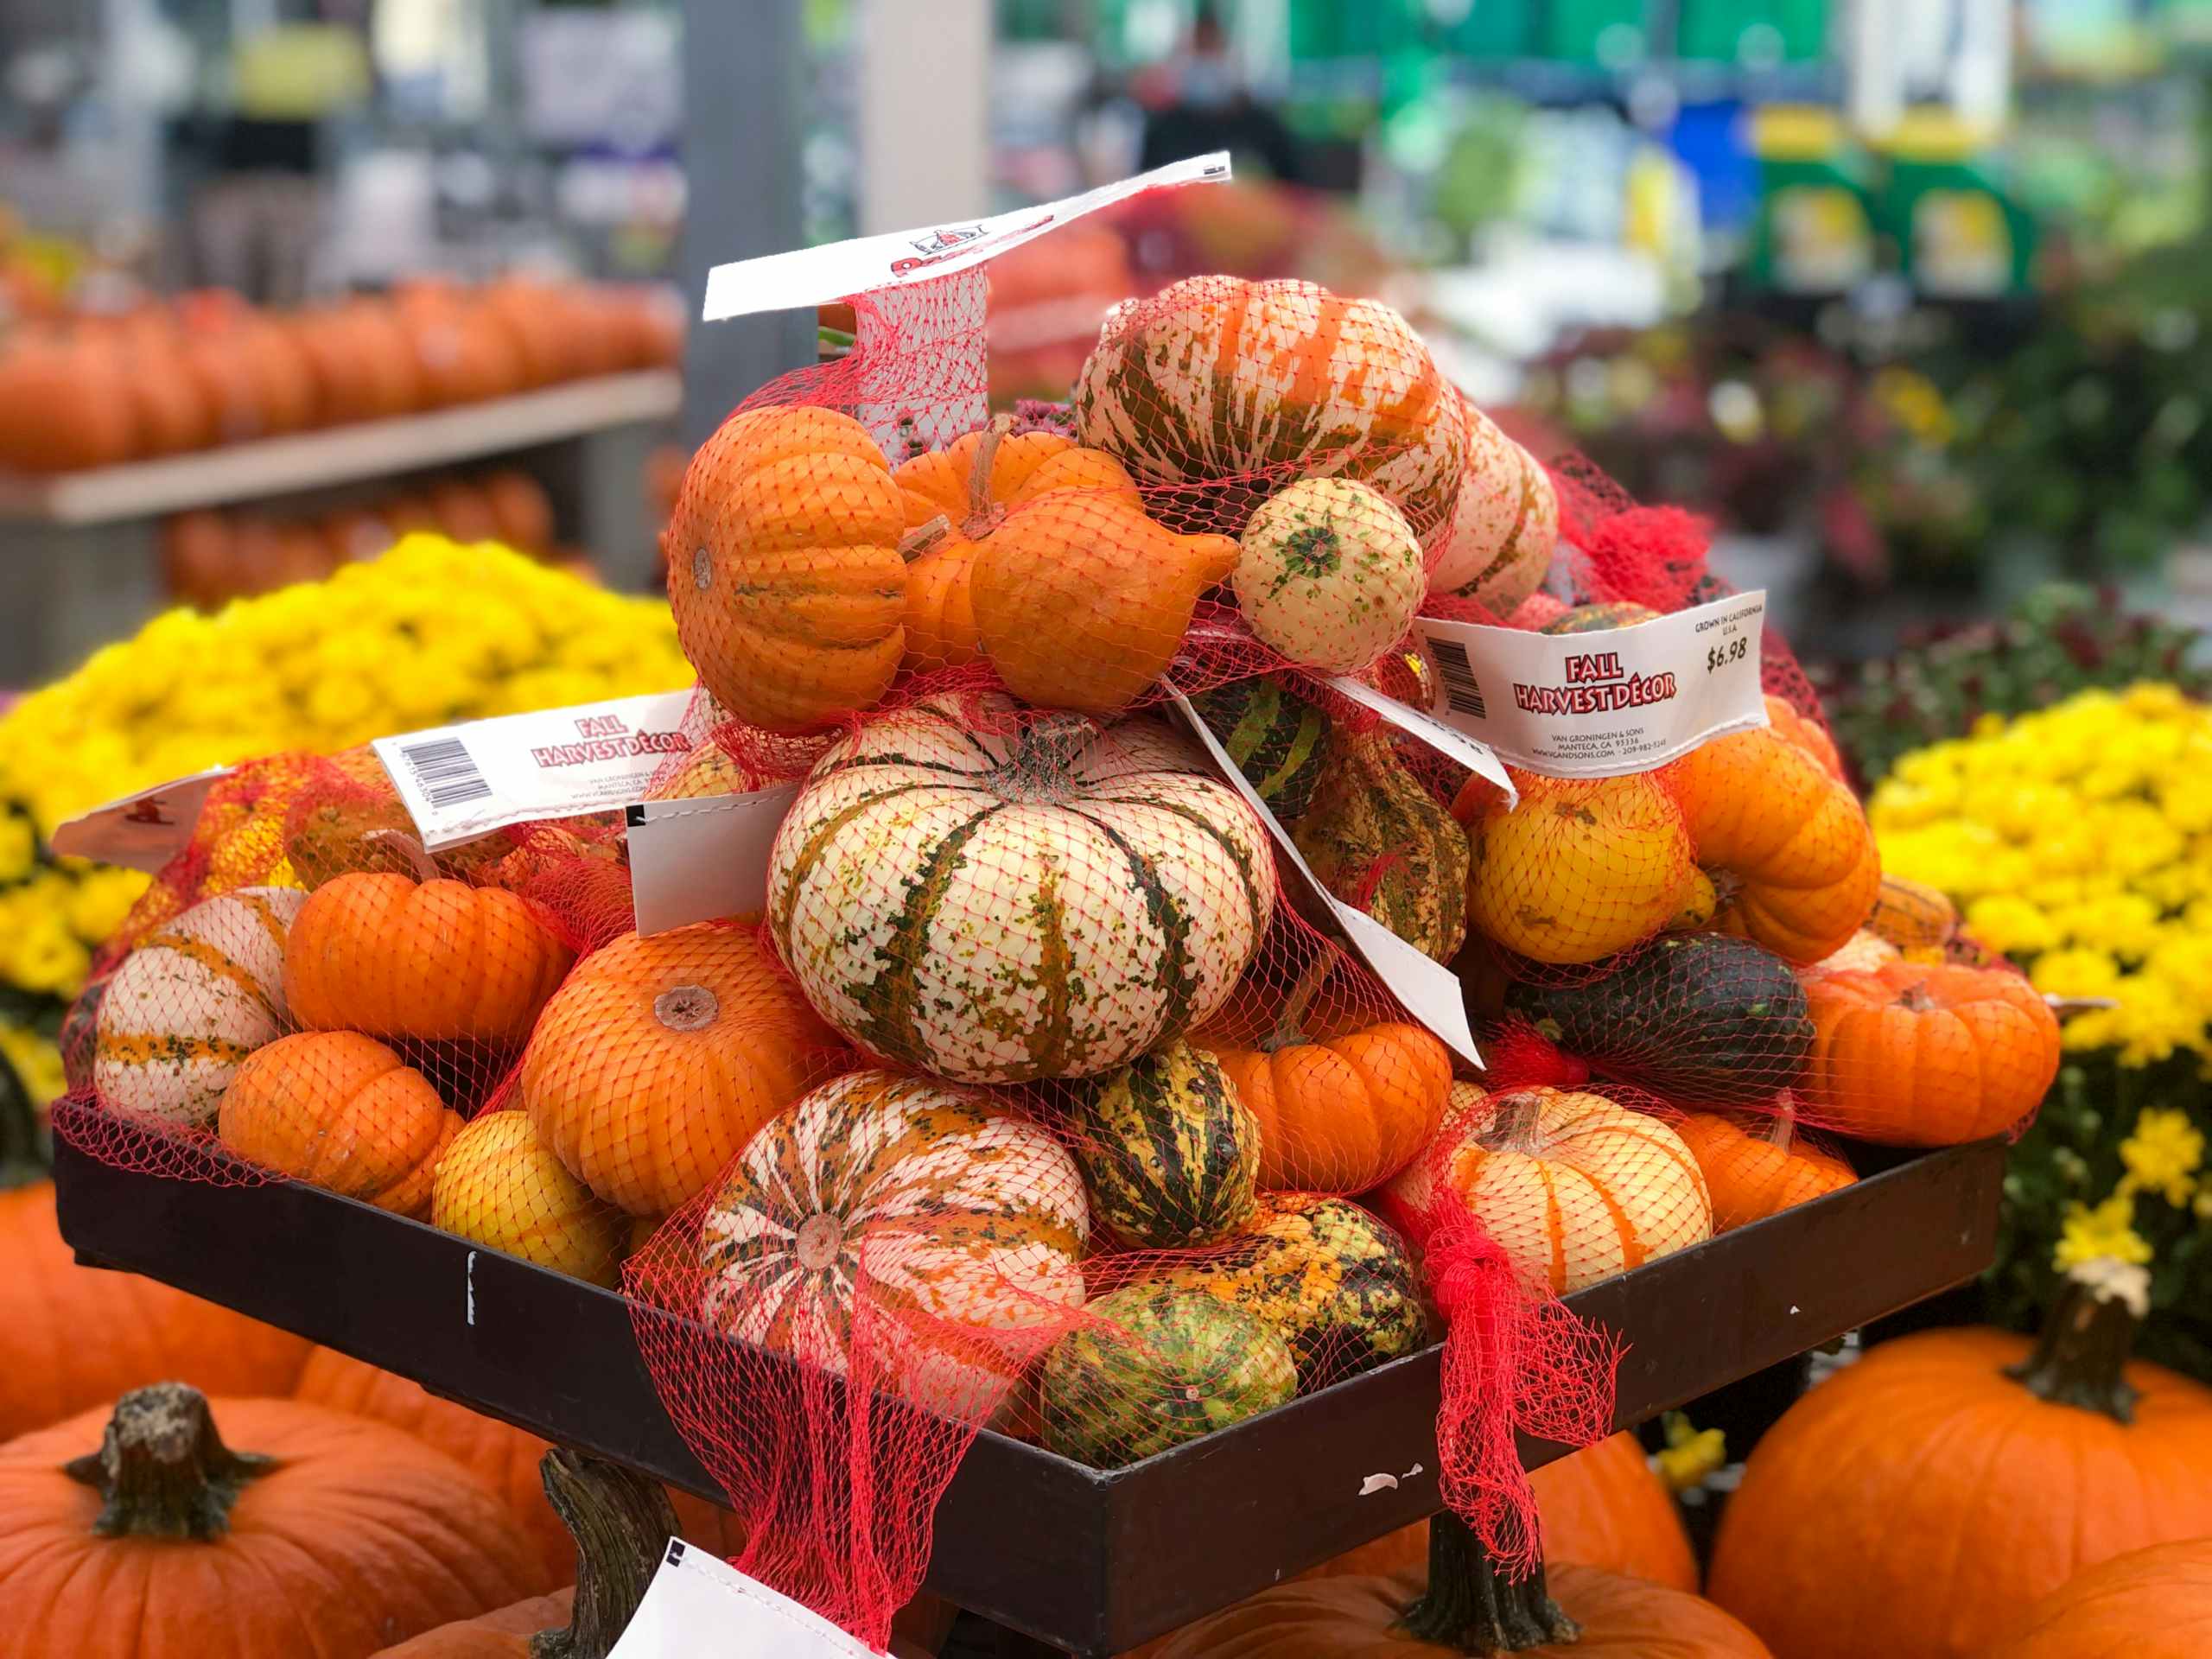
{"points": [[784, 567], [339, 1110], [1918, 1054], [147, 1332], [1807, 734], [1081, 600], [1912, 916], [144, 1536], [1954, 1478], [1338, 1113], [391, 956], [1574, 1187], [1783, 842], [660, 1057], [1758, 1168], [2148, 1604]]}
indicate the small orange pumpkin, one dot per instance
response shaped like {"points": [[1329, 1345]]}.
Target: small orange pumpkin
{"points": [[1809, 735], [391, 956], [1753, 1170], [1913, 916], [1919, 1054], [1782, 841], [339, 1110], [783, 568], [1339, 1113]]}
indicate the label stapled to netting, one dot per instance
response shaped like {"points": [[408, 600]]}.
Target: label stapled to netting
{"points": [[807, 277], [698, 1606], [460, 782], [1429, 991], [704, 859], [1601, 704]]}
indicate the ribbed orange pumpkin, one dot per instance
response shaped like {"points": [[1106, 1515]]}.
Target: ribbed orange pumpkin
{"points": [[339, 1110], [1574, 1187], [1754, 1167], [389, 956], [1785, 720], [1916, 1054], [144, 1536], [784, 567], [1912, 916], [2148, 1604], [53, 1366], [1954, 1478], [1782, 840], [660, 1057]]}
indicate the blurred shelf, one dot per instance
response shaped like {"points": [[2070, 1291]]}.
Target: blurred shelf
{"points": [[341, 454], [1090, 1561]]}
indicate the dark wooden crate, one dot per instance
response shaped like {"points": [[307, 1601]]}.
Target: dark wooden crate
{"points": [[1090, 1561]]}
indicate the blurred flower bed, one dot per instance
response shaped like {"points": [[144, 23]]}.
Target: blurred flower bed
{"points": [[2078, 840], [432, 632]]}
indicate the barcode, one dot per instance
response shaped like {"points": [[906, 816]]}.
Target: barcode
{"points": [[446, 773], [1461, 694]]}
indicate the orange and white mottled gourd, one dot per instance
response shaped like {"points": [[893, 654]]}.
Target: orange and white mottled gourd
{"points": [[1329, 574], [1573, 1187], [783, 568], [661, 1056], [1251, 385], [1505, 527], [996, 898], [190, 1002], [913, 1218]]}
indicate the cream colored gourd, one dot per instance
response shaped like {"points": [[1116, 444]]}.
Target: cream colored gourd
{"points": [[1329, 574]]}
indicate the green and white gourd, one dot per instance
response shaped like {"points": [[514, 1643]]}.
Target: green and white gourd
{"points": [[1278, 739], [1171, 1155], [997, 895], [190, 1002], [1330, 575], [1151, 1367]]}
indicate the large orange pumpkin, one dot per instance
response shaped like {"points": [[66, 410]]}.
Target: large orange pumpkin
{"points": [[2148, 1604], [392, 957], [1917, 1054], [1782, 840], [1952, 1478], [1339, 1112], [660, 1057], [1574, 1187], [72, 1336], [784, 567], [339, 1110], [1755, 1166], [144, 1536]]}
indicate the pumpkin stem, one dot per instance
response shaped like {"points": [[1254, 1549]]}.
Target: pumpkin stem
{"points": [[1514, 1117], [621, 1523], [1290, 1023], [922, 537], [1782, 1132], [408, 848], [982, 515], [2081, 1356], [1043, 758], [162, 1471], [1471, 1607]]}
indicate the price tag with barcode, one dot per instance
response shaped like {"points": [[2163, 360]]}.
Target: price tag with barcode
{"points": [[460, 782], [1605, 703]]}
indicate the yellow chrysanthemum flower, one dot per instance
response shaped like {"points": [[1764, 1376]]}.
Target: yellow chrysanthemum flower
{"points": [[2162, 1154], [2103, 1230]]}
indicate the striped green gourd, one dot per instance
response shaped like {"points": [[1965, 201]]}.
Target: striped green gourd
{"points": [[1171, 1154], [1278, 739], [1379, 841]]}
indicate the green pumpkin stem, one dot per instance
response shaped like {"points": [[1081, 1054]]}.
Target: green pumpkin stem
{"points": [[1290, 1023], [982, 514], [162, 1469], [1470, 1606], [2081, 1356], [621, 1523]]}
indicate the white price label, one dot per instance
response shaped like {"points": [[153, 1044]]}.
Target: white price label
{"points": [[1476, 755], [461, 782], [808, 276], [704, 859], [1600, 705], [1429, 991], [698, 1606], [142, 832]]}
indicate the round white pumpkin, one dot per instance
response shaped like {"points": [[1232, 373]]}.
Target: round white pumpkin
{"points": [[1214, 379], [1506, 526], [192, 999], [1330, 575], [928, 1234], [1574, 1187], [996, 895]]}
